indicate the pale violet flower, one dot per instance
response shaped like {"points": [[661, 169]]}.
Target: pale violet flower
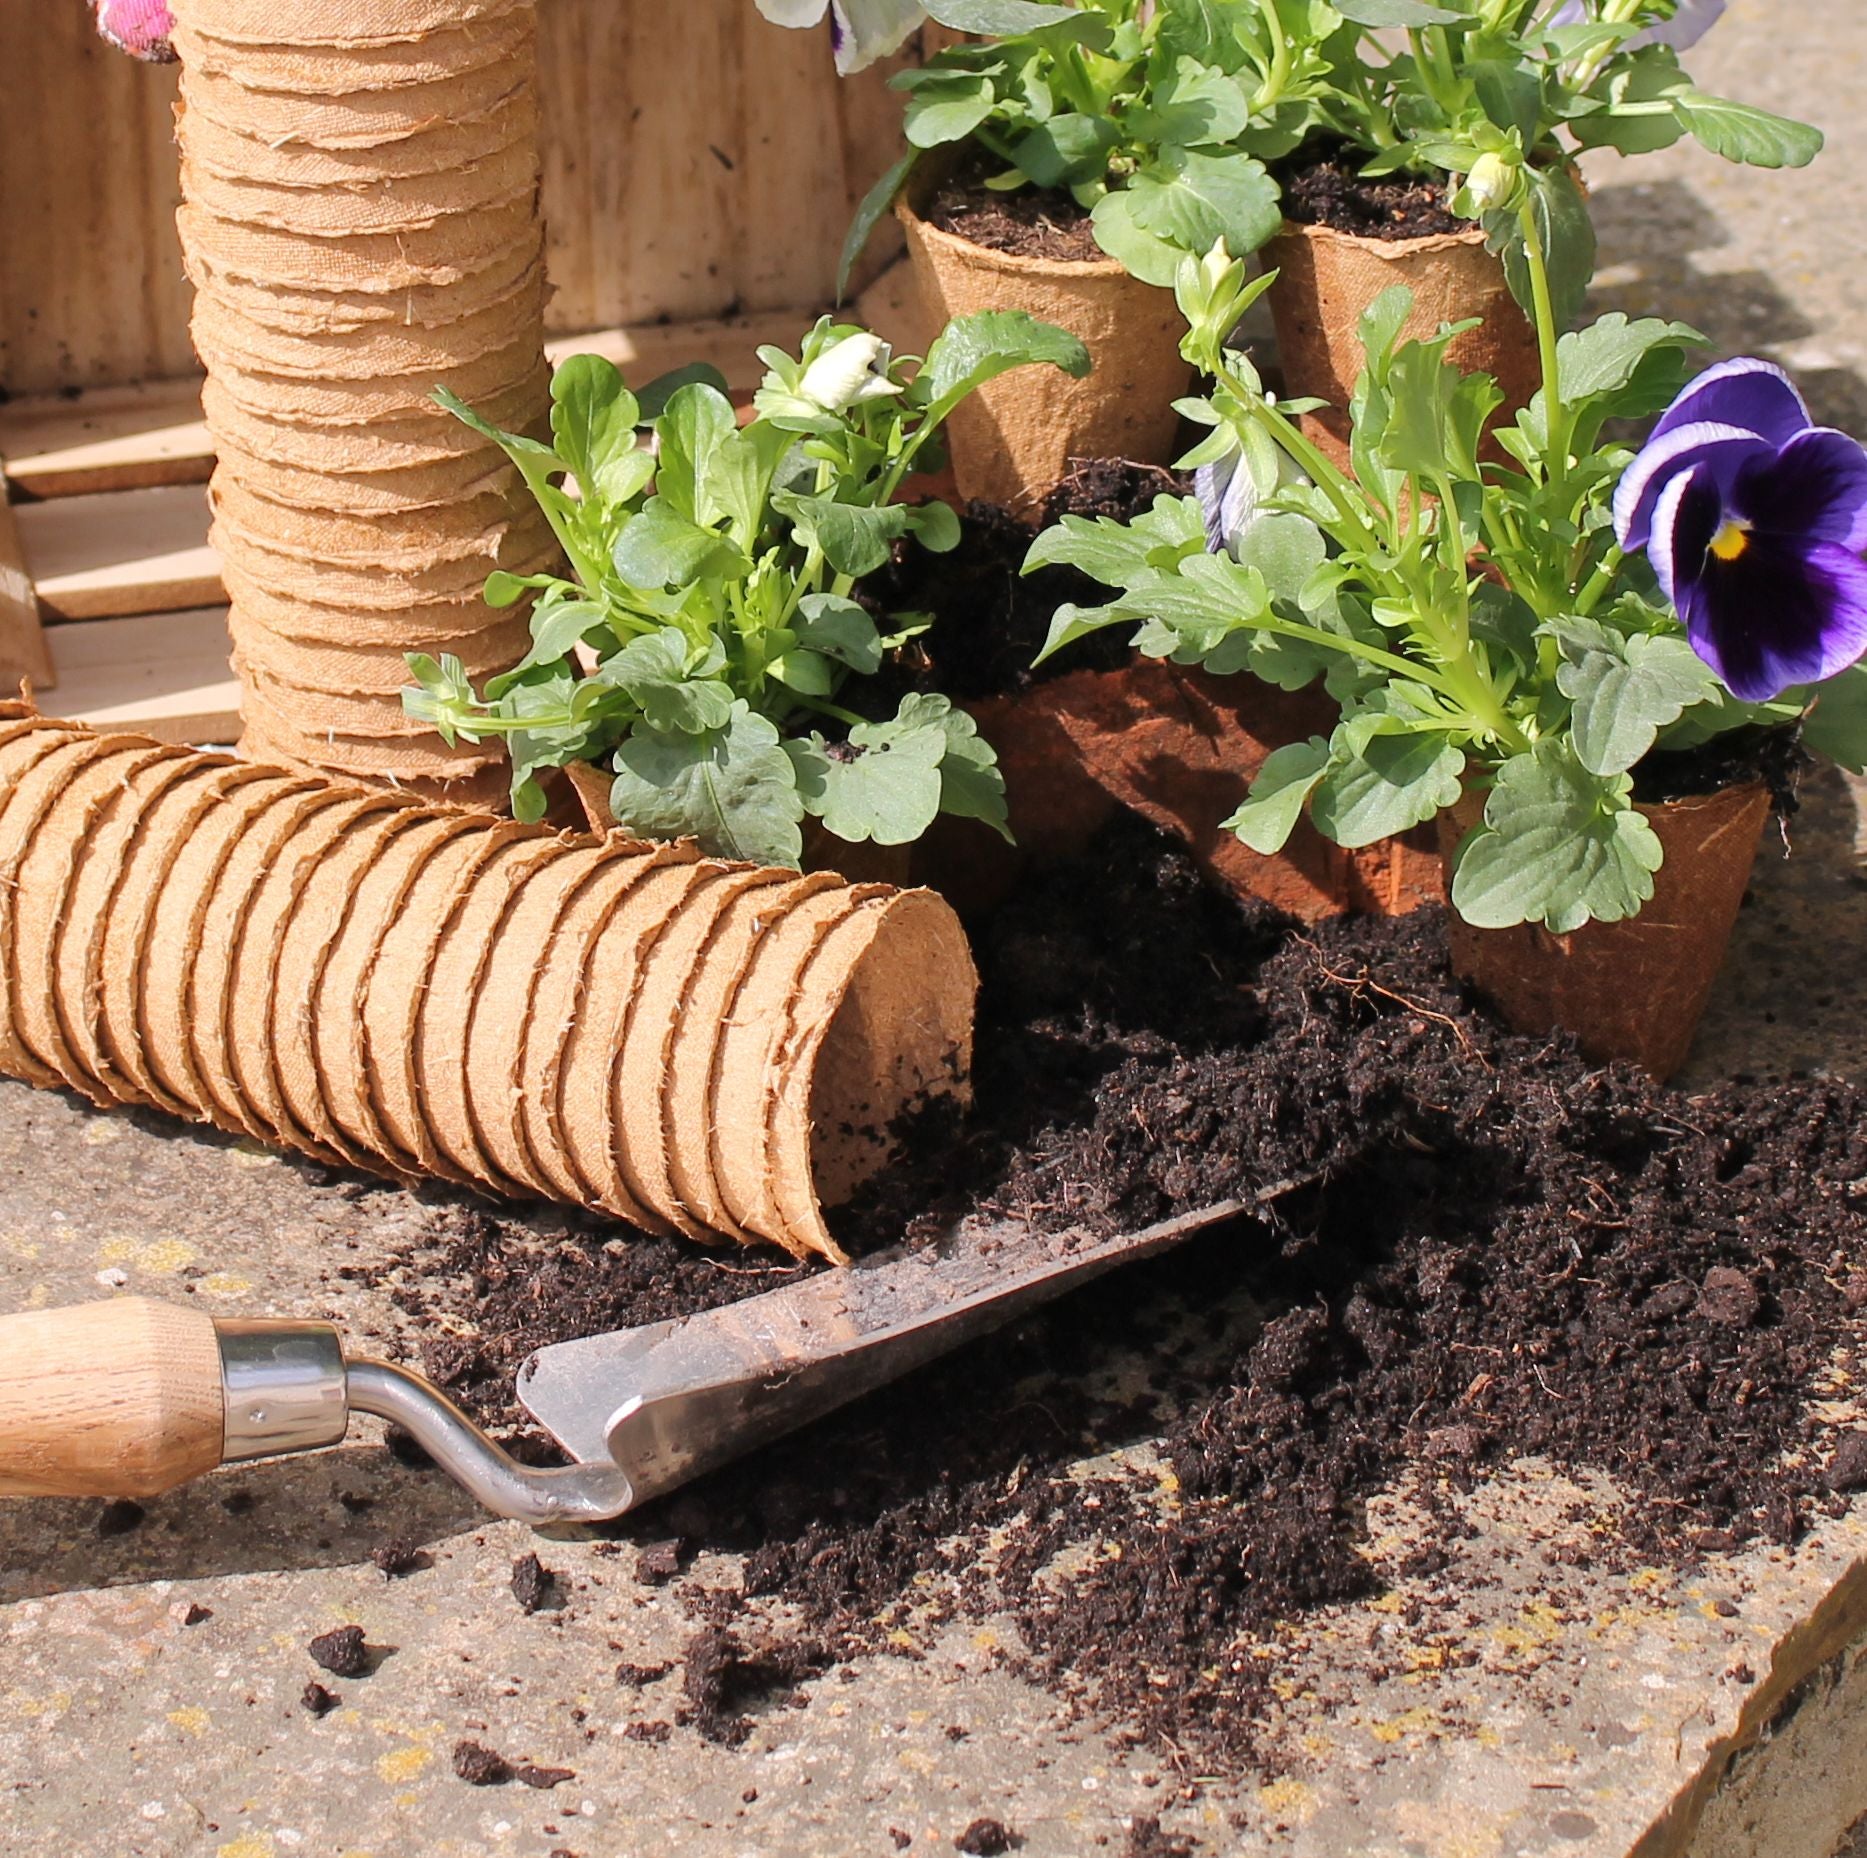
{"points": [[849, 372], [861, 31], [1233, 490], [1687, 26]]}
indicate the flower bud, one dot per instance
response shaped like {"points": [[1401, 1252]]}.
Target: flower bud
{"points": [[849, 371], [1495, 184]]}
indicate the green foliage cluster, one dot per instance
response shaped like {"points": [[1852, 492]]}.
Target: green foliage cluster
{"points": [[1473, 616], [703, 639]]}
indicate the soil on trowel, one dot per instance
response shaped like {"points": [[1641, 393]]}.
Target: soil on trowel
{"points": [[1468, 1247], [1028, 222], [989, 619], [1323, 186]]}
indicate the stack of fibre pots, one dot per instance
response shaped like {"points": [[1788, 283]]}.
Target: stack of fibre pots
{"points": [[687, 1044], [360, 221]]}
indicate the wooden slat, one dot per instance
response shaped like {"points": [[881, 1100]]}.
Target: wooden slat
{"points": [[124, 551], [112, 438], [163, 674], [22, 637], [655, 206]]}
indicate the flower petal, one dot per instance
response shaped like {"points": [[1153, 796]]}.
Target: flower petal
{"points": [[864, 30], [794, 12], [1778, 614], [1685, 519], [1754, 395], [1723, 450], [1815, 487]]}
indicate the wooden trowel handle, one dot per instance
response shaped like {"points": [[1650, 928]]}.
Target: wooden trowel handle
{"points": [[114, 1399]]}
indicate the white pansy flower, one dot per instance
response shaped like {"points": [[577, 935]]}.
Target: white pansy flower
{"points": [[849, 372], [861, 31], [1232, 492]]}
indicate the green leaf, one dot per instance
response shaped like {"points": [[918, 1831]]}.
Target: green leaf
{"points": [[1286, 549], [882, 785], [972, 350], [659, 547], [1559, 846], [971, 786], [1626, 687], [558, 627], [1604, 356], [1193, 104], [839, 629], [1837, 726], [1510, 93], [593, 418], [854, 538], [1073, 146], [1116, 553], [935, 526], [1142, 254], [1071, 622], [733, 788], [869, 212], [1742, 132], [658, 670], [998, 19], [1275, 803], [1396, 782], [1381, 324], [947, 110], [1190, 199], [652, 401], [1397, 13], [699, 419]]}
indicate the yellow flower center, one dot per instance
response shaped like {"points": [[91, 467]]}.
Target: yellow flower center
{"points": [[1731, 540]]}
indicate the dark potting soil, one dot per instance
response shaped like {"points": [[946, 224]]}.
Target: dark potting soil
{"points": [[1775, 757], [1471, 1246], [1030, 222], [1323, 186], [989, 620]]}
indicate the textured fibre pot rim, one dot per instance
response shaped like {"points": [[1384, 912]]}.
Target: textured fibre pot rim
{"points": [[1011, 264], [1420, 246]]}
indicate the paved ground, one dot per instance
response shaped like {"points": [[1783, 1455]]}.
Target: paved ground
{"points": [[151, 1680]]}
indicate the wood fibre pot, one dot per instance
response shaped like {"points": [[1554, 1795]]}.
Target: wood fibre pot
{"points": [[1635, 989], [699, 1046], [1013, 440], [1326, 279], [1180, 747]]}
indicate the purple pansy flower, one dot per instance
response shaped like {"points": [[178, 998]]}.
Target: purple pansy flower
{"points": [[1687, 26], [139, 27], [1754, 519], [861, 31]]}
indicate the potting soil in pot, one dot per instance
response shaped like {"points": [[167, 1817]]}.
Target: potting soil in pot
{"points": [[1473, 1247]]}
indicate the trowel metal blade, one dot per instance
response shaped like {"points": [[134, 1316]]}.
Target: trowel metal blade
{"points": [[669, 1400]]}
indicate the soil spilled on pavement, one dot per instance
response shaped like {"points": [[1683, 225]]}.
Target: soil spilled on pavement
{"points": [[1473, 1247]]}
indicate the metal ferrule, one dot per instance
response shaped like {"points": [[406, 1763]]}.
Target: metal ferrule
{"points": [[285, 1387]]}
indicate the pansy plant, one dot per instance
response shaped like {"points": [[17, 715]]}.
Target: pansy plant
{"points": [[705, 645], [1527, 610], [1159, 115]]}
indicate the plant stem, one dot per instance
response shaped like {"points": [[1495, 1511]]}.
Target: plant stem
{"points": [[1547, 336]]}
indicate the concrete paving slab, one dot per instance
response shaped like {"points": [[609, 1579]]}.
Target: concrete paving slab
{"points": [[1521, 1700]]}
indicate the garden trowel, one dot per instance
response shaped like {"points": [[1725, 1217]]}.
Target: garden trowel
{"points": [[128, 1398]]}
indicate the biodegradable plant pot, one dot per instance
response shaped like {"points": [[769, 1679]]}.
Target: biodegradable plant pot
{"points": [[1326, 279], [1013, 439], [1634, 989], [1179, 747]]}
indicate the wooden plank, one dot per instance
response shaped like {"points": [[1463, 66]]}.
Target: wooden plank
{"points": [[163, 674], [111, 438], [22, 638], [123, 551], [91, 289], [730, 343]]}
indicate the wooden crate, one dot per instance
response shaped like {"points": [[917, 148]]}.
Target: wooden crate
{"points": [[697, 186]]}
